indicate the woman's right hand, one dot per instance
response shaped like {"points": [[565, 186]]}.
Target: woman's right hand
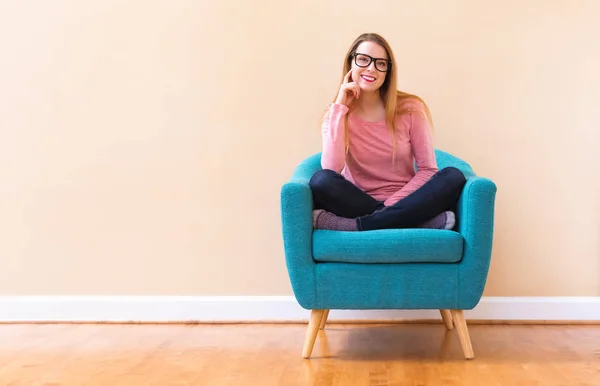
{"points": [[349, 91]]}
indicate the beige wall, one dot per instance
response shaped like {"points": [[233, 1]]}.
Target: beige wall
{"points": [[144, 143]]}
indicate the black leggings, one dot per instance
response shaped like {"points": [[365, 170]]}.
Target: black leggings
{"points": [[334, 193]]}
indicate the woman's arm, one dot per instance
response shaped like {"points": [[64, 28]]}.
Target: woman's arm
{"points": [[422, 148], [332, 130]]}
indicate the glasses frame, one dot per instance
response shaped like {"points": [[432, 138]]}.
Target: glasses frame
{"points": [[371, 60]]}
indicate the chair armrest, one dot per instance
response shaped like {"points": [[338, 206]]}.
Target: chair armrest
{"points": [[305, 170], [475, 213], [296, 220]]}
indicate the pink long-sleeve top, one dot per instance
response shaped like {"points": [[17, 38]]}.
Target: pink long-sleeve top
{"points": [[368, 163]]}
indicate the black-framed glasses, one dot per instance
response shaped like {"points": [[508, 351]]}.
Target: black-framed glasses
{"points": [[364, 60]]}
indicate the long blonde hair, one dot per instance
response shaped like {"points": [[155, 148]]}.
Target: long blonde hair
{"points": [[391, 100]]}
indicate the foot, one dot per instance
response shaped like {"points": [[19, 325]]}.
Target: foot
{"points": [[326, 220], [445, 220], [316, 214]]}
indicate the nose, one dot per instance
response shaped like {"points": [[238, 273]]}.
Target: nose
{"points": [[372, 67]]}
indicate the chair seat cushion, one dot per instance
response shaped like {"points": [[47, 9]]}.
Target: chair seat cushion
{"points": [[388, 246]]}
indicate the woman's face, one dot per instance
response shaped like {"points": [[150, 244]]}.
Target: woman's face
{"points": [[369, 66]]}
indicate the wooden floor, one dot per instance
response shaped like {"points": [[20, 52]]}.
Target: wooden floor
{"points": [[371, 355]]}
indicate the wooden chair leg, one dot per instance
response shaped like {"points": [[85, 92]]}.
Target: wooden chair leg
{"points": [[447, 317], [463, 333], [324, 319], [311, 333]]}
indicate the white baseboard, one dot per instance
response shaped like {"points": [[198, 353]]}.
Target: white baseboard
{"points": [[269, 309]]}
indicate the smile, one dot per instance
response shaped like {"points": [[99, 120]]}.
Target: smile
{"points": [[368, 78]]}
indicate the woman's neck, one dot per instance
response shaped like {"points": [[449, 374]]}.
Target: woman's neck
{"points": [[370, 107], [369, 101]]}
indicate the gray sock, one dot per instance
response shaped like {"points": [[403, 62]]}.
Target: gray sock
{"points": [[326, 220], [445, 220]]}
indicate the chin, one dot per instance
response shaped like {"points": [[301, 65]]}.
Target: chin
{"points": [[369, 87]]}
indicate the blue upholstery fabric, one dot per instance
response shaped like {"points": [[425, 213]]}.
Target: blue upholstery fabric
{"points": [[347, 283], [386, 286], [388, 246]]}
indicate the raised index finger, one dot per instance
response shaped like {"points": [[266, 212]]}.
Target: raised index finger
{"points": [[347, 77]]}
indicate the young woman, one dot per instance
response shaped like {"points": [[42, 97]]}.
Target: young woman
{"points": [[373, 135]]}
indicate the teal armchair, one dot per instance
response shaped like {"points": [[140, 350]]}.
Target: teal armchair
{"points": [[392, 268]]}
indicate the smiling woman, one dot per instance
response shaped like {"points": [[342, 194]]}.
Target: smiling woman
{"points": [[372, 136]]}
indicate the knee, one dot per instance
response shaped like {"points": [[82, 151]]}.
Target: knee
{"points": [[321, 180], [454, 175]]}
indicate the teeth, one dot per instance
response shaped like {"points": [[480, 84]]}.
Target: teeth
{"points": [[368, 77]]}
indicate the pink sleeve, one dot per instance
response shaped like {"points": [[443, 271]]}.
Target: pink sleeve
{"points": [[422, 148], [332, 130]]}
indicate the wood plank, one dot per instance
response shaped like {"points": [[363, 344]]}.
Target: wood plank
{"points": [[375, 355]]}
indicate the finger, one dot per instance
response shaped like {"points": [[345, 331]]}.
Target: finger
{"points": [[352, 89], [347, 77], [350, 93]]}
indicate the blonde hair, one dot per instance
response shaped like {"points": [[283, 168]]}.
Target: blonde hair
{"points": [[391, 100]]}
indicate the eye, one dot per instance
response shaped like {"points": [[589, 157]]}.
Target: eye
{"points": [[362, 60], [382, 64]]}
